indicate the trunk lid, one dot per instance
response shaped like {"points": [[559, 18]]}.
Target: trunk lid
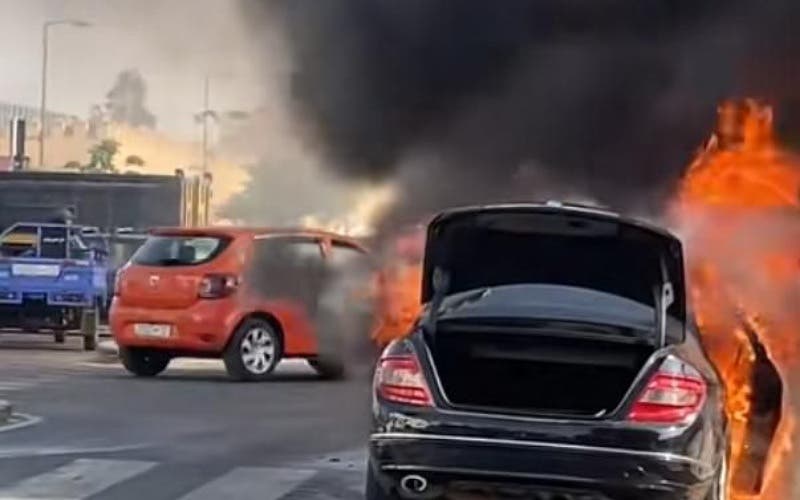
{"points": [[166, 271], [553, 245]]}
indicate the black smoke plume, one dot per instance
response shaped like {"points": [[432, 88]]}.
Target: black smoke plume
{"points": [[465, 101]]}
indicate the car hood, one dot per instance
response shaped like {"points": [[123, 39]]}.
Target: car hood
{"points": [[495, 246]]}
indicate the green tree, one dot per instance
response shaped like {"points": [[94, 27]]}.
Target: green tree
{"points": [[101, 157]]}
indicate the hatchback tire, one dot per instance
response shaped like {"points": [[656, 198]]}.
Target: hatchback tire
{"points": [[253, 351], [143, 362]]}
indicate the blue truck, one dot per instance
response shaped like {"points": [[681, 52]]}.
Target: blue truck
{"points": [[102, 219], [51, 280]]}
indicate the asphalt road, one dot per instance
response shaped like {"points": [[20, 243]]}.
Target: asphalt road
{"points": [[98, 433]]}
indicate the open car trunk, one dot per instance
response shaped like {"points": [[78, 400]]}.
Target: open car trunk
{"points": [[576, 370], [545, 310]]}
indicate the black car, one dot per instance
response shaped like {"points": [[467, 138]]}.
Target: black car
{"points": [[555, 359]]}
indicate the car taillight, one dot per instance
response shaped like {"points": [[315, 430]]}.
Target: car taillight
{"points": [[673, 395], [217, 286], [399, 379]]}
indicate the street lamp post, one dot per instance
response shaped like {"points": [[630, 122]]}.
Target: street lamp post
{"points": [[43, 104], [206, 113]]}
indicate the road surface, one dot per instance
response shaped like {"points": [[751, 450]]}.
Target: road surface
{"points": [[97, 433]]}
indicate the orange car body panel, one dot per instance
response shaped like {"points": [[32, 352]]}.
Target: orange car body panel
{"points": [[204, 326]]}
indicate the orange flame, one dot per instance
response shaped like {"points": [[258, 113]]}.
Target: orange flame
{"points": [[737, 207]]}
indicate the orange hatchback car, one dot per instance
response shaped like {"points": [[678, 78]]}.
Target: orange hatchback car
{"points": [[249, 296]]}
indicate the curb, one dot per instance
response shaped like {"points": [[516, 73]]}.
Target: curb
{"points": [[6, 412]]}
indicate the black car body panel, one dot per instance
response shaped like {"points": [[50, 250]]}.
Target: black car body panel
{"points": [[470, 440]]}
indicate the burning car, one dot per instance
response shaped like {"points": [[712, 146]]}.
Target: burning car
{"points": [[555, 358]]}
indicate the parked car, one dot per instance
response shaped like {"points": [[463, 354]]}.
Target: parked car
{"points": [[249, 296], [555, 358]]}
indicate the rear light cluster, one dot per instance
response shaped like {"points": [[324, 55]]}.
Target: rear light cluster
{"points": [[217, 286], [399, 379], [673, 395]]}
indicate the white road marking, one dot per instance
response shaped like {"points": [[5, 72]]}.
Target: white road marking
{"points": [[252, 483], [20, 421], [76, 480], [11, 386]]}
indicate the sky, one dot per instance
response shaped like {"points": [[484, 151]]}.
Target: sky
{"points": [[173, 43]]}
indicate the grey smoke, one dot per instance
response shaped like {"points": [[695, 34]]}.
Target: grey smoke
{"points": [[608, 97]]}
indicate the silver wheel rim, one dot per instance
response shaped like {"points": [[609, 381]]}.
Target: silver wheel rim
{"points": [[258, 350]]}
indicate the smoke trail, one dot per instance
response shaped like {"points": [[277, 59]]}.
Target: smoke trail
{"points": [[474, 100]]}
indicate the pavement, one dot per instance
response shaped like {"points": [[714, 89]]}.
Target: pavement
{"points": [[91, 431]]}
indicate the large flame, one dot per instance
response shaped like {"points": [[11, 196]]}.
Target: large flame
{"points": [[737, 212], [737, 209]]}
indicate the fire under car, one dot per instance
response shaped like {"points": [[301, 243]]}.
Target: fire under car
{"points": [[554, 358]]}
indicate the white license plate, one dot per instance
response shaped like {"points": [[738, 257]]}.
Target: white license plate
{"points": [[152, 331], [49, 271]]}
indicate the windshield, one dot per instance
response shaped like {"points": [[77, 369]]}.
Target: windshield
{"points": [[179, 250]]}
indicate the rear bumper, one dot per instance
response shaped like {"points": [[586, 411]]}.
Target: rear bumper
{"points": [[459, 462], [203, 328]]}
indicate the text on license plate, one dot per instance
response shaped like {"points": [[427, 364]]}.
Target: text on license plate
{"points": [[151, 330]]}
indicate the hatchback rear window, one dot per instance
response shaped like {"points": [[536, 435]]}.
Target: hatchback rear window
{"points": [[164, 250]]}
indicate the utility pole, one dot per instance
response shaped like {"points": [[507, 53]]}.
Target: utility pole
{"points": [[43, 102], [206, 116]]}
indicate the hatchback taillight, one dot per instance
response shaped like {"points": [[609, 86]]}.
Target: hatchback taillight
{"points": [[399, 379], [217, 286], [673, 395]]}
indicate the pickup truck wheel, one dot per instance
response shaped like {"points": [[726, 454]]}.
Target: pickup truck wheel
{"points": [[89, 319], [143, 362], [59, 336], [253, 351]]}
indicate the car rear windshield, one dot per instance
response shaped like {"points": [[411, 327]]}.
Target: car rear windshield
{"points": [[169, 250]]}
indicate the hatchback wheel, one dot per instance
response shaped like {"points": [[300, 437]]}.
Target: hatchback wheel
{"points": [[253, 352], [143, 362]]}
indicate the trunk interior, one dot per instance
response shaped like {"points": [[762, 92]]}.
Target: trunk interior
{"points": [[569, 373]]}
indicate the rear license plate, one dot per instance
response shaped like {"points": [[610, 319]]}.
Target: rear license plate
{"points": [[152, 331], [46, 270]]}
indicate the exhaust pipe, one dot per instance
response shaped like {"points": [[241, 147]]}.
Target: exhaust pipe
{"points": [[414, 485]]}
